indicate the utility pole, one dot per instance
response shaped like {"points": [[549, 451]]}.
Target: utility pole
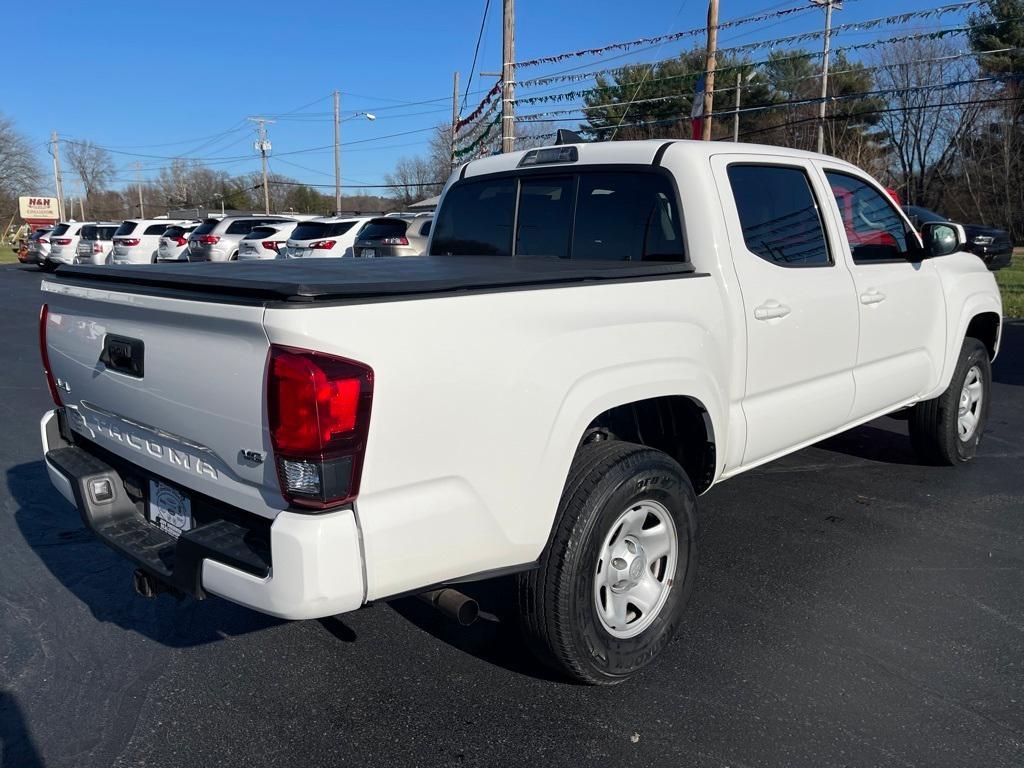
{"points": [[138, 182], [81, 205], [709, 78], [262, 145], [455, 112], [508, 86], [829, 4], [337, 151], [58, 181], [736, 113]]}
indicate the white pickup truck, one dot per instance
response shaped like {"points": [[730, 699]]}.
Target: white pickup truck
{"points": [[601, 332]]}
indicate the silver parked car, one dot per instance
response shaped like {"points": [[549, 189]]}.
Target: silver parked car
{"points": [[218, 239], [95, 242], [325, 237], [394, 236]]}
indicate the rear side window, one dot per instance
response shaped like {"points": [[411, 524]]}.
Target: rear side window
{"points": [[875, 231], [126, 228], [779, 216], [627, 217], [425, 229], [155, 229], [476, 219], [206, 227]]}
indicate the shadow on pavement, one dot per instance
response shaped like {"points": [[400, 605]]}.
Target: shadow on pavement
{"points": [[16, 745], [493, 638], [100, 578], [874, 443], [1009, 366]]}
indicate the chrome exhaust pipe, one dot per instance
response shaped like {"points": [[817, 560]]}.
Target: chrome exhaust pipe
{"points": [[144, 584], [453, 604]]}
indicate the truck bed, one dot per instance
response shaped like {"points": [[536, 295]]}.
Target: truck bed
{"points": [[320, 280]]}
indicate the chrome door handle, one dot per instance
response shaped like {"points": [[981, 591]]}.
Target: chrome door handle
{"points": [[872, 296], [771, 310]]}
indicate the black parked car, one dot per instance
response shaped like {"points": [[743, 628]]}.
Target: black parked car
{"points": [[993, 246]]}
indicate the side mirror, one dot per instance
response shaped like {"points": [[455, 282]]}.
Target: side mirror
{"points": [[942, 238]]}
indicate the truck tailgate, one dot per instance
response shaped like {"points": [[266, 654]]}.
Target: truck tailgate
{"points": [[173, 385]]}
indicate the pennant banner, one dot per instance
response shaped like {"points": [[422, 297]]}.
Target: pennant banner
{"points": [[479, 110], [901, 18], [479, 139]]}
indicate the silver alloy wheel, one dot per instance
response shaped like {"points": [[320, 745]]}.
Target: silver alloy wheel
{"points": [[969, 411], [635, 568]]}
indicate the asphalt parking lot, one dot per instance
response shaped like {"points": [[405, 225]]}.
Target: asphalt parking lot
{"points": [[853, 608]]}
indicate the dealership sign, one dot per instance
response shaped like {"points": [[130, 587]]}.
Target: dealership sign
{"points": [[38, 208]]}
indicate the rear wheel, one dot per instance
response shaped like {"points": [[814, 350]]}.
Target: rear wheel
{"points": [[613, 582], [948, 428]]}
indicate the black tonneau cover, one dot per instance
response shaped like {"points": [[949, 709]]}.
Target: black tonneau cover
{"points": [[310, 280]]}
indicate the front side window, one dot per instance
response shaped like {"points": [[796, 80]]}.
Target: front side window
{"points": [[875, 231], [779, 216]]}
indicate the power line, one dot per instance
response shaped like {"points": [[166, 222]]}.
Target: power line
{"points": [[476, 50]]}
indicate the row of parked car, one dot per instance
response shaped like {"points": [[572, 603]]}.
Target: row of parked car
{"points": [[228, 238]]}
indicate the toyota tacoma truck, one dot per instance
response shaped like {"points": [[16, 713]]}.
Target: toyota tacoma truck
{"points": [[598, 334]]}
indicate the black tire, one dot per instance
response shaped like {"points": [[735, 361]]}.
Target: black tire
{"points": [[556, 602], [933, 424]]}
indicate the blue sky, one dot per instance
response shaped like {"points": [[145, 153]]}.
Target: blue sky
{"points": [[155, 80]]}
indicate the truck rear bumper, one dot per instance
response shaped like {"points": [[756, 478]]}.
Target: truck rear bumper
{"points": [[301, 566]]}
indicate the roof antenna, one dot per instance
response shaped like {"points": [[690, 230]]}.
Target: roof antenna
{"points": [[565, 136]]}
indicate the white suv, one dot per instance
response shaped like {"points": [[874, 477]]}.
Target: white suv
{"points": [[326, 237], [137, 240], [64, 242]]}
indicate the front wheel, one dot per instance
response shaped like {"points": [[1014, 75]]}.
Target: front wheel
{"points": [[948, 428], [614, 579]]}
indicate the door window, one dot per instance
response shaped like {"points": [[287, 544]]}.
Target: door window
{"points": [[779, 215], [874, 229]]}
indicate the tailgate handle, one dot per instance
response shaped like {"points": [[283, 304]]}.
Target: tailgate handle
{"points": [[123, 355]]}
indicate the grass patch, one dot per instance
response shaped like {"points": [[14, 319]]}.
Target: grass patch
{"points": [[7, 256], [1011, 283]]}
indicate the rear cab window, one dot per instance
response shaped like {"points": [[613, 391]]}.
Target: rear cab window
{"points": [[579, 214]]}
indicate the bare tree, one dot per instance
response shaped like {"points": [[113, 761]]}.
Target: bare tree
{"points": [[92, 164], [19, 170], [924, 124], [414, 178]]}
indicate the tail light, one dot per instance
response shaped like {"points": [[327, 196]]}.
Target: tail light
{"points": [[394, 241], [44, 316], [207, 239], [44, 240], [97, 247], [319, 416], [273, 245], [179, 240], [128, 241], [322, 245], [62, 241]]}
